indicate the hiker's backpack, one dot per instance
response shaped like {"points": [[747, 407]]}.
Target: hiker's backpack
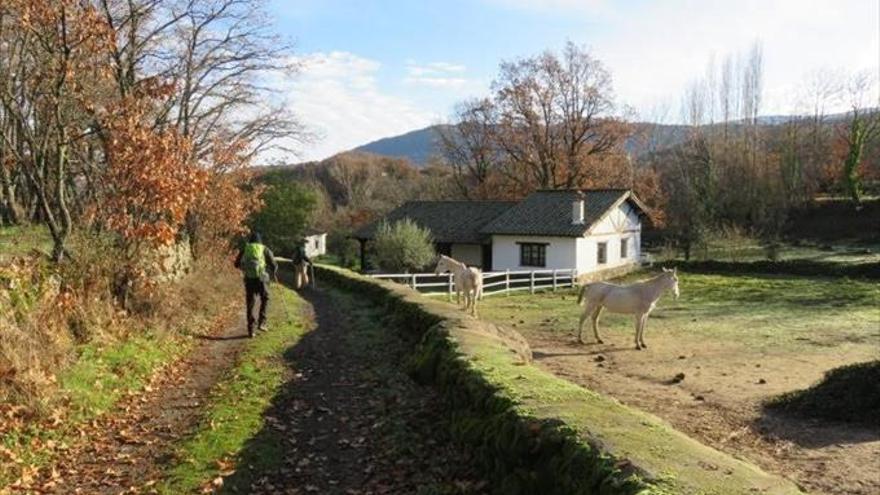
{"points": [[253, 260]]}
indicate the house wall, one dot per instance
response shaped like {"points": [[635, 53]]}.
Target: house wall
{"points": [[469, 254], [561, 252], [581, 253], [316, 245], [621, 223]]}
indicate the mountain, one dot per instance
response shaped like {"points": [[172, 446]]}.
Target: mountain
{"points": [[418, 146]]}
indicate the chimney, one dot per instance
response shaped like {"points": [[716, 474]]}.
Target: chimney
{"points": [[577, 209]]}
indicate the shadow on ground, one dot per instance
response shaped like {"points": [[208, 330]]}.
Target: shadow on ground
{"points": [[348, 420]]}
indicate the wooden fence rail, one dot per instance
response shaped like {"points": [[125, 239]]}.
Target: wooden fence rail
{"points": [[493, 282]]}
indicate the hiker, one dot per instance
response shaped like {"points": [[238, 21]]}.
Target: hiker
{"points": [[301, 263], [257, 263]]}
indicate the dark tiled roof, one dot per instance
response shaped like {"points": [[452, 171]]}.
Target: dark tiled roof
{"points": [[548, 212], [448, 221]]}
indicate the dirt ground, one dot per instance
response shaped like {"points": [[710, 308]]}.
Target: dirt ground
{"points": [[354, 423], [719, 402], [721, 382], [352, 420]]}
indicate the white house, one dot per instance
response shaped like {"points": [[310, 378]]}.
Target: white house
{"points": [[587, 230], [316, 243]]}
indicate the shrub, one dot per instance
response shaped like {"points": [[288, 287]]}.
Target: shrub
{"points": [[403, 246], [848, 394]]}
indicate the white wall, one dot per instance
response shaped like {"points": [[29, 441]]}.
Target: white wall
{"points": [[316, 245], [561, 252], [582, 252], [621, 223], [469, 254]]}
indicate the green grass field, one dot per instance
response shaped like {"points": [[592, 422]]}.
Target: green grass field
{"points": [[755, 311]]}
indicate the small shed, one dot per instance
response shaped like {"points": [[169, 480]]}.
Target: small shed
{"points": [[316, 243]]}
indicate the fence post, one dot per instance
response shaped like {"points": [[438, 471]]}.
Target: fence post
{"points": [[507, 282], [532, 282], [554, 279], [573, 277], [415, 283], [449, 288]]}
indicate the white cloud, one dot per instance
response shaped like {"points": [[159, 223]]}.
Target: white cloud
{"points": [[337, 96], [435, 74], [656, 50]]}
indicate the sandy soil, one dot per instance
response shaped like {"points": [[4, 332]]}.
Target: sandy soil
{"points": [[718, 401]]}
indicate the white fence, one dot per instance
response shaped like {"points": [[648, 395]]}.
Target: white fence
{"points": [[493, 282]]}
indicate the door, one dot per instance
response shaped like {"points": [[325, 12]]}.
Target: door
{"points": [[487, 257]]}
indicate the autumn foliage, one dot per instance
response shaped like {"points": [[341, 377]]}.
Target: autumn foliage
{"points": [[151, 180]]}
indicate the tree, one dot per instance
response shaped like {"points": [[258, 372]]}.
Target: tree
{"points": [[555, 117], [403, 246], [862, 129], [51, 72], [469, 147], [286, 212]]}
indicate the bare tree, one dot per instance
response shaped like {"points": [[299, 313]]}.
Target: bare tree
{"points": [[556, 113], [469, 146]]}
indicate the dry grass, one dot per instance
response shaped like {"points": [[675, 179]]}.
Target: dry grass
{"points": [[50, 314]]}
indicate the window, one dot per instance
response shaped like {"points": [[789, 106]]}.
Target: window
{"points": [[317, 244], [602, 253], [532, 254], [623, 249]]}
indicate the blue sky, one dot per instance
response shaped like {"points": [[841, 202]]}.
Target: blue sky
{"points": [[372, 69]]}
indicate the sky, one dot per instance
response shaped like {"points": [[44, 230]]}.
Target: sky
{"points": [[371, 69]]}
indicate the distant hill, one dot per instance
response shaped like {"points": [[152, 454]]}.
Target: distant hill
{"points": [[419, 145]]}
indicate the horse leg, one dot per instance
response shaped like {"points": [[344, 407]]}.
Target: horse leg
{"points": [[642, 332], [588, 310], [638, 331], [581, 326], [595, 317], [474, 302]]}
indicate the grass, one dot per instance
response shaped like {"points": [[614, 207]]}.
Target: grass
{"points": [[102, 375], [674, 461], [20, 240], [847, 394], [92, 385], [236, 412], [754, 311]]}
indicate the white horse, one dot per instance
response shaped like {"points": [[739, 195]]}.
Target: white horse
{"points": [[467, 280], [637, 299]]}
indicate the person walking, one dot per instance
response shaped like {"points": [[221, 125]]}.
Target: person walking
{"points": [[256, 261], [301, 263]]}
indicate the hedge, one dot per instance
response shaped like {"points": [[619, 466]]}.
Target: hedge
{"points": [[787, 267]]}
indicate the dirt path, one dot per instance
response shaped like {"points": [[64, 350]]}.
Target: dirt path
{"points": [[718, 401], [126, 450], [353, 421]]}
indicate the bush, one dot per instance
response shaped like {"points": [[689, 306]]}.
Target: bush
{"points": [[848, 394], [403, 246]]}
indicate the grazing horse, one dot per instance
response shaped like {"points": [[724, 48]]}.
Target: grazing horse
{"points": [[467, 280], [637, 299]]}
